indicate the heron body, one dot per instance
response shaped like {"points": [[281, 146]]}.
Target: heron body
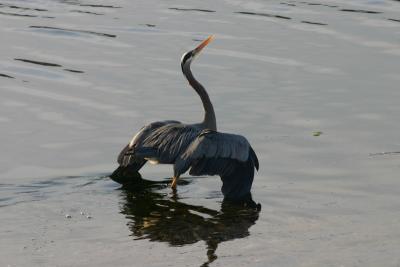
{"points": [[199, 147]]}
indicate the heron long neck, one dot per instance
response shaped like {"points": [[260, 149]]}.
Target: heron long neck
{"points": [[209, 121]]}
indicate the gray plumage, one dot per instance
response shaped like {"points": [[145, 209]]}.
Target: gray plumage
{"points": [[228, 149], [159, 142], [198, 147]]}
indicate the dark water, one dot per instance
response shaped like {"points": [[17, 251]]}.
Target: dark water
{"points": [[79, 78], [151, 212], [157, 217]]}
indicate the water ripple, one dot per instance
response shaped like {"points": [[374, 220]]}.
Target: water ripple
{"points": [[38, 62], [73, 31], [397, 20], [317, 4], [360, 11], [46, 64], [262, 14], [314, 23], [104, 6], [74, 71], [13, 194], [86, 12], [17, 15], [22, 8], [192, 9], [6, 76]]}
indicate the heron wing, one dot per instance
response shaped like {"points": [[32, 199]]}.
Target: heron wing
{"points": [[228, 155], [128, 156], [167, 142], [215, 153]]}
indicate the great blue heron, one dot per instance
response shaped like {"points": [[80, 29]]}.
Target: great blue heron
{"points": [[198, 147]]}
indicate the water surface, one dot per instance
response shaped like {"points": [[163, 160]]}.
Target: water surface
{"points": [[79, 78]]}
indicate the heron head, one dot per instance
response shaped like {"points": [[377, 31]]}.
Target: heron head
{"points": [[189, 56]]}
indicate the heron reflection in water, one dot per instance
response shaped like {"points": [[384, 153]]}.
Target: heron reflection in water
{"points": [[156, 216], [197, 147]]}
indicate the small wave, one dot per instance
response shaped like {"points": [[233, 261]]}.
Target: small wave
{"points": [[6, 76], [192, 9], [38, 62], [287, 4], [148, 25], [317, 4], [397, 20], [360, 11], [86, 12], [384, 153], [262, 14], [74, 71], [104, 6], [314, 23], [74, 31], [12, 194], [23, 8], [17, 15]]}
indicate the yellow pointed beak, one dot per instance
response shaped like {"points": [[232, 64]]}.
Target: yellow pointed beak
{"points": [[203, 44]]}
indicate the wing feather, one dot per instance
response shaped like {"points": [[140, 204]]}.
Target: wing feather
{"points": [[170, 140], [128, 156], [215, 153], [228, 155]]}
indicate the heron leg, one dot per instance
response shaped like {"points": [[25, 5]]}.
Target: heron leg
{"points": [[174, 182]]}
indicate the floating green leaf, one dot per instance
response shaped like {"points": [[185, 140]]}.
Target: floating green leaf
{"points": [[317, 133]]}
